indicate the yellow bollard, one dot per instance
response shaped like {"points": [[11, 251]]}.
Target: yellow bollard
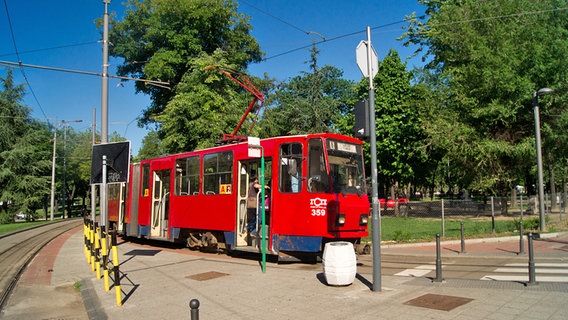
{"points": [[115, 268], [92, 237], [86, 237], [97, 250], [105, 257]]}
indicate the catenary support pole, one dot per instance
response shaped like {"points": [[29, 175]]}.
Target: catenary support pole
{"points": [[375, 217], [94, 186]]}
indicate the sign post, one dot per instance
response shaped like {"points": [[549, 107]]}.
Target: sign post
{"points": [[110, 163], [368, 64], [256, 150]]}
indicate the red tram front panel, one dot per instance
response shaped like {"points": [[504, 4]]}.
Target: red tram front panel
{"points": [[327, 201]]}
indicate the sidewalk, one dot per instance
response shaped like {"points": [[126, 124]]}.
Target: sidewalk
{"points": [[158, 283]]}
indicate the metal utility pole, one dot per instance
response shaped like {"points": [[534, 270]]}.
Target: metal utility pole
{"points": [[368, 64], [375, 220], [52, 199], [93, 186], [104, 111], [104, 95], [541, 92]]}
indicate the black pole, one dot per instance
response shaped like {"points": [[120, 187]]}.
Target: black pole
{"points": [[438, 260], [194, 305], [522, 241], [532, 280], [462, 239]]}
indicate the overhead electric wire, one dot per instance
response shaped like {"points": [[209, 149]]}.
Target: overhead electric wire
{"points": [[402, 21], [281, 20], [334, 38], [161, 84], [51, 48], [18, 57]]}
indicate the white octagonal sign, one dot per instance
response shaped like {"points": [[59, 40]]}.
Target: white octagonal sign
{"points": [[361, 55]]}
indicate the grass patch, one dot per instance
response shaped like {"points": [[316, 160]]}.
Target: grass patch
{"points": [[402, 229], [12, 227]]}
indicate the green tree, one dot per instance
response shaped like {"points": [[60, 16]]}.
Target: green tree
{"points": [[25, 164], [25, 171], [316, 101], [151, 147], [169, 40], [207, 105], [13, 115], [492, 56], [397, 123]]}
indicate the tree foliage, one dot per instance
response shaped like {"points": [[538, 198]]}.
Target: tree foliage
{"points": [[397, 122], [24, 156], [316, 101], [207, 105], [488, 58], [151, 147], [170, 40]]}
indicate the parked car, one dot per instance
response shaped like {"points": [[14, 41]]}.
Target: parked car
{"points": [[20, 216], [391, 203]]}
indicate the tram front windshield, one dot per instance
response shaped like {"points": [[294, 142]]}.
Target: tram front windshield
{"points": [[346, 167]]}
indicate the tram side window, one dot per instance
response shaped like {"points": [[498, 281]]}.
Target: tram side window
{"points": [[218, 173], [145, 180], [187, 176], [290, 179], [318, 180]]}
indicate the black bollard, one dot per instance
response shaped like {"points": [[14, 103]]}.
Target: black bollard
{"points": [[521, 241], [462, 239], [194, 305], [438, 260], [532, 280]]}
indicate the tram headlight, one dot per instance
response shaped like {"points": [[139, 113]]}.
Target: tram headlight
{"points": [[341, 219], [363, 219]]}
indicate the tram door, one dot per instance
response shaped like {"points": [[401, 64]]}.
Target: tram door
{"points": [[244, 177], [160, 204], [247, 170]]}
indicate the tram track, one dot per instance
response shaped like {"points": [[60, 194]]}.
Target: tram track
{"points": [[18, 249]]}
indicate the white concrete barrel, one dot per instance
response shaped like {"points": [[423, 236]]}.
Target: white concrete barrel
{"points": [[339, 263]]}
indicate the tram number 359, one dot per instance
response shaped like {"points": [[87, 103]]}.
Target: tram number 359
{"points": [[318, 207], [318, 212]]}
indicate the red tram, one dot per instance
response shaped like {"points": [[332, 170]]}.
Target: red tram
{"points": [[315, 183]]}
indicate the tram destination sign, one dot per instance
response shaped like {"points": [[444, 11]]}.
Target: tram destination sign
{"points": [[118, 161]]}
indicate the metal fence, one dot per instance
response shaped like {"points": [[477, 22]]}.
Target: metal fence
{"points": [[497, 211], [485, 207]]}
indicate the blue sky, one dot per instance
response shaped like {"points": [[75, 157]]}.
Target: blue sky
{"points": [[63, 34]]}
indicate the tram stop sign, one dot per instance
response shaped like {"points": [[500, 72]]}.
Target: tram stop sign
{"points": [[362, 61], [118, 161]]}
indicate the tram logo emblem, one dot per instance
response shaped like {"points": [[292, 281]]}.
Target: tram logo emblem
{"points": [[318, 206]]}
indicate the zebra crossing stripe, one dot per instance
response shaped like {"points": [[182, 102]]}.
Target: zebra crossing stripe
{"points": [[418, 271], [523, 278]]}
